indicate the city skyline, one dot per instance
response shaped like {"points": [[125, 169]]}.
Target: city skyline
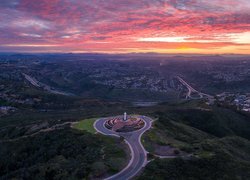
{"points": [[125, 26]]}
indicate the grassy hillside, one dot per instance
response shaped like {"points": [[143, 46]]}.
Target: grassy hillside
{"points": [[217, 167], [217, 139], [217, 121], [61, 154], [86, 125]]}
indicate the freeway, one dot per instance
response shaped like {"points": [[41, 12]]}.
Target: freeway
{"points": [[38, 84], [133, 139], [191, 89]]}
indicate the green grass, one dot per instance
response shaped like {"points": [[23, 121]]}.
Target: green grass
{"points": [[86, 125]]}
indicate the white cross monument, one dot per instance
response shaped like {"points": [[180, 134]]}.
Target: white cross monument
{"points": [[125, 117]]}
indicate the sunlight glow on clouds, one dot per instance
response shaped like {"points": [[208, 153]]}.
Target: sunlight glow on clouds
{"points": [[240, 38], [115, 26], [164, 39]]}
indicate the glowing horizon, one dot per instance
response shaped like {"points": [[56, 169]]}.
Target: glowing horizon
{"points": [[124, 26]]}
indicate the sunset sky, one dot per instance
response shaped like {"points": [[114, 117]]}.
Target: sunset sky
{"points": [[122, 26]]}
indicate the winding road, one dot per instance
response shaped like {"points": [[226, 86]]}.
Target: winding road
{"points": [[133, 139]]}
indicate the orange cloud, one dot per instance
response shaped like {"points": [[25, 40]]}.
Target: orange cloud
{"points": [[178, 26]]}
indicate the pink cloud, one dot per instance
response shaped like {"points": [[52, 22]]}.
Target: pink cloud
{"points": [[96, 24]]}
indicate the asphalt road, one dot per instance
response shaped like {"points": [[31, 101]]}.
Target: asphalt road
{"points": [[133, 139], [191, 89]]}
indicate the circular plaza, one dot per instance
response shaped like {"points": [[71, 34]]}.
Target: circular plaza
{"points": [[124, 123]]}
